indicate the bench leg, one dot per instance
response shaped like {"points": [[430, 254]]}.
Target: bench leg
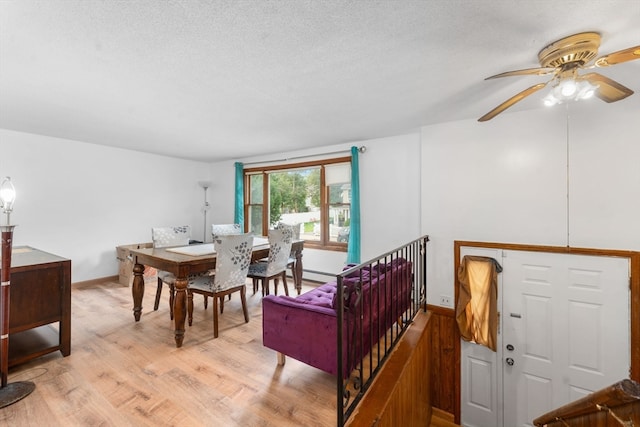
{"points": [[281, 359]]}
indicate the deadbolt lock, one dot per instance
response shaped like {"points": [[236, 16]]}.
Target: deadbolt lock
{"points": [[510, 347]]}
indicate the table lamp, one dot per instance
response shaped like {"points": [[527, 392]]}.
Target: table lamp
{"points": [[7, 197], [9, 393]]}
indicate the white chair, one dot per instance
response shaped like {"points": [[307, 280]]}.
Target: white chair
{"points": [[276, 265], [295, 235], [233, 256], [294, 231], [224, 230], [164, 237]]}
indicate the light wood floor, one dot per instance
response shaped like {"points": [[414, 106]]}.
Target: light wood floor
{"points": [[123, 373]]}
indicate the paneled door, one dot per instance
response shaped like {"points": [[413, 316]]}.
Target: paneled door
{"points": [[563, 333], [481, 368], [565, 322]]}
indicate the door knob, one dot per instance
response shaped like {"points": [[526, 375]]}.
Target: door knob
{"points": [[510, 361], [510, 347]]}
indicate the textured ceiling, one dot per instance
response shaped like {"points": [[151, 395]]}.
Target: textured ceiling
{"points": [[214, 80]]}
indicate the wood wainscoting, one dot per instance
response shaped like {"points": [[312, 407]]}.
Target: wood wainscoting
{"points": [[400, 395], [445, 359]]}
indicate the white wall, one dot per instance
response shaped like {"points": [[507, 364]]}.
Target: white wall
{"points": [[506, 181], [80, 200], [389, 192]]}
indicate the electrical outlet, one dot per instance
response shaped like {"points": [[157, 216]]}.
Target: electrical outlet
{"points": [[445, 301]]}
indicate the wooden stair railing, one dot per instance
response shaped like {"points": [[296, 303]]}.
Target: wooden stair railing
{"points": [[616, 405]]}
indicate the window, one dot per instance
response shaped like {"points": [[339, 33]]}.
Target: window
{"points": [[316, 196]]}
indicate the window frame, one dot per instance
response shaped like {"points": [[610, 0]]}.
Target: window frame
{"points": [[324, 242]]}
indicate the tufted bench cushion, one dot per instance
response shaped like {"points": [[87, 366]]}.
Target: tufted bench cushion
{"points": [[322, 296]]}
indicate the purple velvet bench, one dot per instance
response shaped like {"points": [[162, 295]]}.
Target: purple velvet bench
{"points": [[305, 327]]}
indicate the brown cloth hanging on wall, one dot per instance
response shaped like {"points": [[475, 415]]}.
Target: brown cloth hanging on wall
{"points": [[477, 309]]}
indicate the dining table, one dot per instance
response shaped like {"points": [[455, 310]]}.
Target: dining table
{"points": [[186, 261]]}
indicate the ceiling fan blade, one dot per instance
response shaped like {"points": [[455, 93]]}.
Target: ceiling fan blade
{"points": [[509, 102], [618, 57], [525, 72], [608, 90]]}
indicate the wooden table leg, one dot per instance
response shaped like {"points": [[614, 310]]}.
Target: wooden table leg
{"points": [[180, 309], [298, 272], [65, 322], [137, 290]]}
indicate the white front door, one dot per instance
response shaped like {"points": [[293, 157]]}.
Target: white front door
{"points": [[565, 321], [481, 376], [560, 317]]}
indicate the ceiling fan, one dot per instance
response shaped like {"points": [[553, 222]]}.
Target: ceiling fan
{"points": [[562, 59]]}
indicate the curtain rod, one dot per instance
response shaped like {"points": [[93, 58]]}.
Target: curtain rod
{"points": [[361, 150]]}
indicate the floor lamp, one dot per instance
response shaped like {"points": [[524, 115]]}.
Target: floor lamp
{"points": [[9, 393], [205, 185]]}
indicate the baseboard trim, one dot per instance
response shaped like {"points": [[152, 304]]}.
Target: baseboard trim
{"points": [[98, 281], [442, 414], [443, 311]]}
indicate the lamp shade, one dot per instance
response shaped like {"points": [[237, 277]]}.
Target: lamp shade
{"points": [[7, 195]]}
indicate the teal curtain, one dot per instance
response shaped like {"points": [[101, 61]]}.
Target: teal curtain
{"points": [[353, 252], [238, 217]]}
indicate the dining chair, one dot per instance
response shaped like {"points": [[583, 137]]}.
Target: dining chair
{"points": [[276, 266], [294, 231], [221, 230], [233, 256], [164, 237], [295, 235], [225, 230]]}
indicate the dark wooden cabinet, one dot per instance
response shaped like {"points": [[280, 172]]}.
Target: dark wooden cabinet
{"points": [[40, 305]]}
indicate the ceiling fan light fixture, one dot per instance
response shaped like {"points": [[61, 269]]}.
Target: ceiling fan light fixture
{"points": [[569, 90], [550, 100], [587, 90], [563, 59]]}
